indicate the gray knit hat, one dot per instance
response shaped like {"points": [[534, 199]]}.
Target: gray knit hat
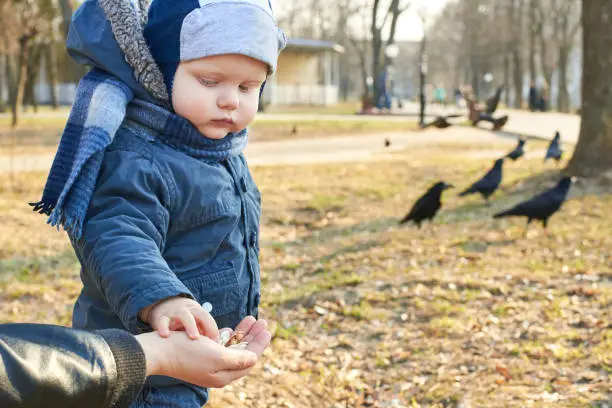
{"points": [[183, 30]]}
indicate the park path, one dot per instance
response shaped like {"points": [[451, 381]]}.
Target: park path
{"points": [[540, 125], [322, 150], [366, 147]]}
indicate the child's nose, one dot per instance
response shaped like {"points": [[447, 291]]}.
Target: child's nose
{"points": [[228, 99]]}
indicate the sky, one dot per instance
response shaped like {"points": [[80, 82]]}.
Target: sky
{"points": [[409, 27]]}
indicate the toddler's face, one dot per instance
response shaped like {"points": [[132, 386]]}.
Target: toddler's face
{"points": [[218, 94]]}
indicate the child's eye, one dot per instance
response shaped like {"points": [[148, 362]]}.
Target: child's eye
{"points": [[207, 82], [244, 88]]}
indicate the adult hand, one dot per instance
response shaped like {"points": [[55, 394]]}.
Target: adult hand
{"points": [[202, 361]]}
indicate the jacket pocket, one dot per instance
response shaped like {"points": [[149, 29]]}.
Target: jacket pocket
{"points": [[218, 287]]}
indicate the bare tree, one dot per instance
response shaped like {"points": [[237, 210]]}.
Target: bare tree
{"points": [[377, 27], [25, 42], [567, 29], [362, 47], [547, 34], [33, 72], [593, 154], [27, 26], [516, 18]]}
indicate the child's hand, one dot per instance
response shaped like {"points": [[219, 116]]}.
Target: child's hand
{"points": [[179, 313]]}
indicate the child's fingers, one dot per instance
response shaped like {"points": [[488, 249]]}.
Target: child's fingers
{"points": [[163, 326], [206, 323], [189, 323], [175, 324]]}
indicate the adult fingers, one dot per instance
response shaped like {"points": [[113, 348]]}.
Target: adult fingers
{"points": [[261, 341], [246, 324], [223, 378], [259, 326]]}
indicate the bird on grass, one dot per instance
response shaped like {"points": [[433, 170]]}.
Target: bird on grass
{"points": [[554, 150], [426, 207], [387, 142], [487, 185], [518, 151], [441, 122], [542, 206], [294, 130]]}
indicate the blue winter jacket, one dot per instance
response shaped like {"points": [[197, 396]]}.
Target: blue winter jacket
{"points": [[163, 221]]}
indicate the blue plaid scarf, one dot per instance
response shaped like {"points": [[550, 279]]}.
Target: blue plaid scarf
{"points": [[101, 104]]}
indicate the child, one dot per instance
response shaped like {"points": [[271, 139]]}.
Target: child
{"points": [[154, 153]]}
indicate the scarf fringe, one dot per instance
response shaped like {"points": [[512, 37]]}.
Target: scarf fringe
{"points": [[42, 207], [71, 223]]}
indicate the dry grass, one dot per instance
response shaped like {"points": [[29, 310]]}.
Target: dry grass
{"points": [[464, 312]]}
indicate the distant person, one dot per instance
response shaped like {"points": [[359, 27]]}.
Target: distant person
{"points": [[534, 98], [440, 95], [384, 98], [459, 101]]}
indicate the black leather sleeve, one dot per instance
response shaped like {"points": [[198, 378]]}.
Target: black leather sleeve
{"points": [[54, 366]]}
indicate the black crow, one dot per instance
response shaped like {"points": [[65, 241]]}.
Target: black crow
{"points": [[542, 206], [518, 150], [426, 207], [487, 185], [554, 149], [387, 142], [441, 122]]}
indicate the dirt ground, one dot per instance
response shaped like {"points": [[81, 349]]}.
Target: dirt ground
{"points": [[465, 312]]}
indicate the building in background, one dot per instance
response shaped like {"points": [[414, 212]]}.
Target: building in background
{"points": [[308, 74]]}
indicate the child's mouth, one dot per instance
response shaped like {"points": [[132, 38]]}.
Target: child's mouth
{"points": [[223, 122]]}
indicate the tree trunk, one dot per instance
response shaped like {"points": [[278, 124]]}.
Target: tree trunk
{"points": [[518, 78], [532, 41], [593, 154], [364, 74], [565, 47], [10, 79], [22, 71], [2, 82], [51, 73], [476, 76], [517, 63], [376, 48], [33, 71], [563, 94], [377, 42], [66, 10], [506, 78]]}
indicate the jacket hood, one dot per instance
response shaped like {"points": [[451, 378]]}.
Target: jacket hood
{"points": [[108, 34]]}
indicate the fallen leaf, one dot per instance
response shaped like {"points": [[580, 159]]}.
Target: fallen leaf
{"points": [[503, 371]]}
